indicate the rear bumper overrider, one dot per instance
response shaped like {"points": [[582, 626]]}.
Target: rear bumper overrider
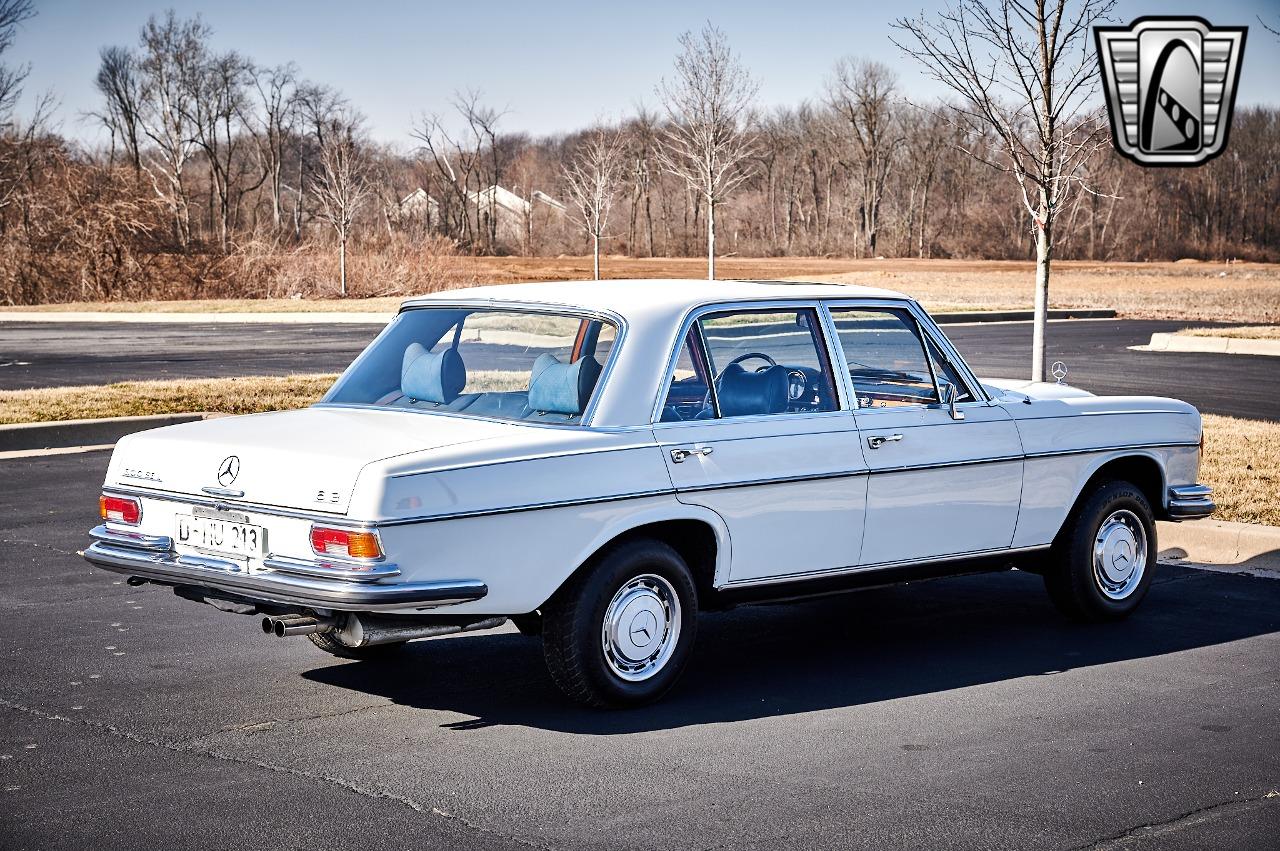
{"points": [[313, 584]]}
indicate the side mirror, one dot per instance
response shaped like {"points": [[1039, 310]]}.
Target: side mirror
{"points": [[949, 394]]}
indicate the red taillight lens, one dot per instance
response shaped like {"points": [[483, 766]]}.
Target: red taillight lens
{"points": [[119, 509], [343, 542]]}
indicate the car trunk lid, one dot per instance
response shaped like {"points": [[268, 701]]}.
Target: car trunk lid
{"points": [[306, 459]]}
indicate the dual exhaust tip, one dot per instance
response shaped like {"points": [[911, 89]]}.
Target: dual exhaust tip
{"points": [[283, 626]]}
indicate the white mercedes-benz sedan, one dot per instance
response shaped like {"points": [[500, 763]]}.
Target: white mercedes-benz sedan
{"points": [[602, 462]]}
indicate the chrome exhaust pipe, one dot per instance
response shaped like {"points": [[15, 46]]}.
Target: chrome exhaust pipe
{"points": [[282, 626]]}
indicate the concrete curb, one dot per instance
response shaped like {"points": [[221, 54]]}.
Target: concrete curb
{"points": [[300, 318], [1241, 546], [959, 316], [1219, 345], [55, 435]]}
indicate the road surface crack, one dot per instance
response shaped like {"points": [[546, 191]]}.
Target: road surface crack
{"points": [[341, 782], [1191, 818]]}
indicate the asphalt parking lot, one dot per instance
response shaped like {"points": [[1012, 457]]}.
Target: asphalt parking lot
{"points": [[962, 713], [1095, 351]]}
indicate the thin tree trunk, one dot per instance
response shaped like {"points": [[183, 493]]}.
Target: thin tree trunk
{"points": [[1044, 250], [342, 265], [924, 217], [711, 241], [595, 254]]}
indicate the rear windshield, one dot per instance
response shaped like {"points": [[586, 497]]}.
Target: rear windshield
{"points": [[505, 364]]}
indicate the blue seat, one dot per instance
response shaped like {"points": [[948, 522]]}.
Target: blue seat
{"points": [[742, 393], [561, 388], [435, 378]]}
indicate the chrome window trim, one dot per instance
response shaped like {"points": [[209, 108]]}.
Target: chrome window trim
{"points": [[927, 329], [617, 320], [761, 305], [975, 388]]}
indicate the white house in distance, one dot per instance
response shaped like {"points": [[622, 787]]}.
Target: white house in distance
{"points": [[514, 215], [420, 207]]}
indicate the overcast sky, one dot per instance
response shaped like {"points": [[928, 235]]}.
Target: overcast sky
{"points": [[556, 66]]}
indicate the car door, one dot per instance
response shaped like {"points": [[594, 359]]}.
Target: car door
{"points": [[752, 427], [939, 485]]}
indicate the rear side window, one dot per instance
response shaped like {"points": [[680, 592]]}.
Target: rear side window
{"points": [[751, 363]]}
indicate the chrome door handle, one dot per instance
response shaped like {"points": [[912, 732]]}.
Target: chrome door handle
{"points": [[875, 441], [679, 455]]}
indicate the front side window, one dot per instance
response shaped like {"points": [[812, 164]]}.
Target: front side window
{"points": [[750, 363], [886, 357], [507, 364]]}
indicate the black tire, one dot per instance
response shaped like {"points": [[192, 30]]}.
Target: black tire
{"points": [[332, 646], [1081, 587], [530, 624], [573, 625]]}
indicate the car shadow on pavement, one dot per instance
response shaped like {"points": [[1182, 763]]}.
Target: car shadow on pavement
{"points": [[877, 645]]}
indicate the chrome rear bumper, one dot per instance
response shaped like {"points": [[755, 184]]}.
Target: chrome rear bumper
{"points": [[1190, 502], [283, 581]]}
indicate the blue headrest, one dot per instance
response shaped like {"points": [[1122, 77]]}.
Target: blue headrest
{"points": [[562, 388], [743, 393], [428, 377]]}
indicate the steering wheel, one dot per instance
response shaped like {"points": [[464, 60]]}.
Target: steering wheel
{"points": [[748, 356]]}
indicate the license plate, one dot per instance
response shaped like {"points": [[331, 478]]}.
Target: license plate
{"points": [[222, 536]]}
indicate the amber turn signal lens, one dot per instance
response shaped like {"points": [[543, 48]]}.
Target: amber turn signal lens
{"points": [[119, 509], [344, 542]]}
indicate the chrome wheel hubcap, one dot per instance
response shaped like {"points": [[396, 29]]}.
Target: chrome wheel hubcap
{"points": [[641, 627], [1119, 554]]}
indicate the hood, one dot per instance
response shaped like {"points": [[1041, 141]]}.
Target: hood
{"points": [[308, 459], [1016, 389]]}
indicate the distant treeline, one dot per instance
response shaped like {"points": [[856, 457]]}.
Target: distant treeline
{"points": [[223, 177]]}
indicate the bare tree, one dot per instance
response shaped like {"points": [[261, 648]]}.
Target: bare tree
{"points": [[707, 104], [926, 139], [12, 14], [1025, 70], [341, 182], [216, 100], [861, 92], [592, 177], [272, 121], [120, 82], [172, 49], [467, 163], [316, 102]]}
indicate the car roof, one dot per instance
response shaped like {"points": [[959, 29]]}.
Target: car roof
{"points": [[633, 296], [653, 312]]}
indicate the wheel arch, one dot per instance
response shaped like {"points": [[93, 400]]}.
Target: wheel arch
{"points": [[697, 533], [1143, 468]]}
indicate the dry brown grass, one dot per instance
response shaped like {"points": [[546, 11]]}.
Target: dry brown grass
{"points": [[1243, 332], [136, 398], [1242, 465], [1239, 292]]}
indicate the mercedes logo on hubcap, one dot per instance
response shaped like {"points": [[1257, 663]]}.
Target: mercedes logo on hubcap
{"points": [[642, 628], [228, 470]]}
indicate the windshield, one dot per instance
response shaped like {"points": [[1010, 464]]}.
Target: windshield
{"points": [[508, 364]]}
